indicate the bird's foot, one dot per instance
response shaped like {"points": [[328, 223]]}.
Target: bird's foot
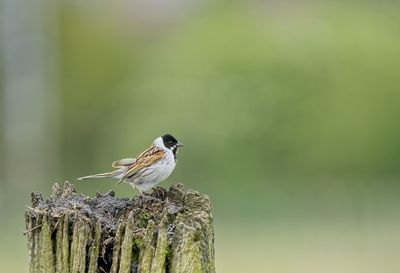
{"points": [[146, 198]]}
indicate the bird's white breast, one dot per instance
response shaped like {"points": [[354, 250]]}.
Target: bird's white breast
{"points": [[157, 172]]}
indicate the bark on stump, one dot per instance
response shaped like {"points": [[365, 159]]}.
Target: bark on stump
{"points": [[73, 233]]}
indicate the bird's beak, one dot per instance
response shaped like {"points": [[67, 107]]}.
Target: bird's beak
{"points": [[179, 144]]}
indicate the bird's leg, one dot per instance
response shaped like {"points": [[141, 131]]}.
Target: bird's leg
{"points": [[144, 196], [141, 193]]}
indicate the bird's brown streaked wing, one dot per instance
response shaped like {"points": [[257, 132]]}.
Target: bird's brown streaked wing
{"points": [[145, 159], [123, 162]]}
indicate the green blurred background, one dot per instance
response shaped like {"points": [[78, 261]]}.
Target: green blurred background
{"points": [[289, 111]]}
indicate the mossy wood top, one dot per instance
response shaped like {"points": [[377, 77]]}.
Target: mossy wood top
{"points": [[72, 233]]}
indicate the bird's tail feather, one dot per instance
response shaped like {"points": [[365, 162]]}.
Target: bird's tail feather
{"points": [[113, 174]]}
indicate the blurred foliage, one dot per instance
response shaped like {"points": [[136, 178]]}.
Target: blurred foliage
{"points": [[257, 92], [287, 110]]}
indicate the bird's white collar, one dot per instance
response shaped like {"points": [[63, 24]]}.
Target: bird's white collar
{"points": [[159, 143]]}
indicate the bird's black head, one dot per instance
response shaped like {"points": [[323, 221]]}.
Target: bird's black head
{"points": [[171, 143]]}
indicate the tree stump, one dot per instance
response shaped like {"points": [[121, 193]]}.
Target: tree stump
{"points": [[73, 233]]}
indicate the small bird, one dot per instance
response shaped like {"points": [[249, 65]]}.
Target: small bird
{"points": [[148, 169]]}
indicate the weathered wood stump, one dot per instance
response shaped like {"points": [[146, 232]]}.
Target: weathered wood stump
{"points": [[72, 233]]}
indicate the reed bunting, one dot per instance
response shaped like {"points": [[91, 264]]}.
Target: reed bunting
{"points": [[148, 169]]}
